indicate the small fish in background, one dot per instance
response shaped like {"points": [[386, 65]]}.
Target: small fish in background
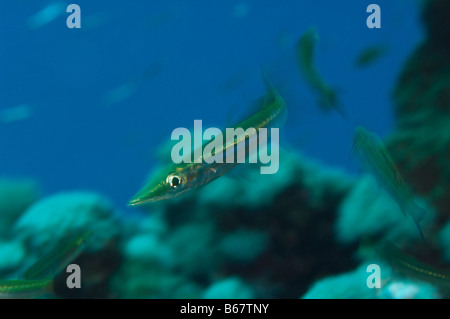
{"points": [[234, 82], [163, 17], [46, 15], [120, 94], [370, 55], [412, 267], [241, 10], [15, 114], [94, 21], [55, 261], [152, 71], [38, 279], [285, 40], [379, 162], [305, 57], [128, 89]]}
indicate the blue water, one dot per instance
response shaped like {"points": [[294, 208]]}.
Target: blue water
{"points": [[175, 56]]}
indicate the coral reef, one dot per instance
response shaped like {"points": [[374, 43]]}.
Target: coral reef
{"points": [[45, 223], [255, 233], [12, 255], [444, 238], [15, 197], [51, 218], [306, 231], [420, 145], [353, 285], [421, 141], [369, 211], [348, 285], [229, 288]]}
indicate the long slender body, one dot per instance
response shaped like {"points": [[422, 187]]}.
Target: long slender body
{"points": [[305, 57], [378, 160], [39, 277], [177, 179], [21, 289], [414, 268], [370, 55], [51, 264]]}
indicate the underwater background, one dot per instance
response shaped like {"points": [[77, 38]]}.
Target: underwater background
{"points": [[86, 116]]}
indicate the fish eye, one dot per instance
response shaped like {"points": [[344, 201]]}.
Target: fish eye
{"points": [[174, 181]]}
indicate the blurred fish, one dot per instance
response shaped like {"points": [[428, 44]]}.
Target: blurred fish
{"points": [[128, 89], [305, 58], [94, 21], [370, 55], [241, 10], [20, 289], [162, 17], [153, 70], [55, 261], [38, 279], [46, 15], [374, 154], [15, 114], [234, 81], [177, 179], [285, 39], [412, 267], [120, 93]]}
